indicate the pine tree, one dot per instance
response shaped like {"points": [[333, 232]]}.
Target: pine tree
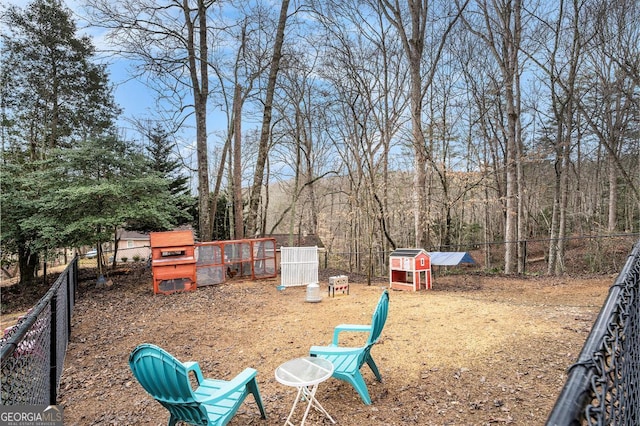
{"points": [[54, 93], [53, 96], [160, 153]]}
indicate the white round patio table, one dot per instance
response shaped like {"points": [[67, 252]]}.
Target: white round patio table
{"points": [[305, 374]]}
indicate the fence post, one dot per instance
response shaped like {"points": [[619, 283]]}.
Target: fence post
{"points": [[53, 351], [70, 302]]}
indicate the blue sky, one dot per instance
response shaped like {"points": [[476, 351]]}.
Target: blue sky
{"points": [[131, 95]]}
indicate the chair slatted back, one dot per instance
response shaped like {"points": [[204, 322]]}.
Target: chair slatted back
{"points": [[379, 318], [167, 380], [377, 324]]}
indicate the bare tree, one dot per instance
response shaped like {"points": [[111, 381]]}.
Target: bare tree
{"points": [[611, 109], [169, 41], [265, 134], [412, 27], [499, 26], [562, 104], [237, 76]]}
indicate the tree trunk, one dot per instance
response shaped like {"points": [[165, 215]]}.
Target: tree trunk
{"points": [[28, 264], [238, 217], [199, 73], [555, 212], [613, 195], [258, 177], [510, 68]]}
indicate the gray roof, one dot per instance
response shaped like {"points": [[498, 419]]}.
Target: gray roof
{"points": [[133, 235], [407, 252], [308, 240]]}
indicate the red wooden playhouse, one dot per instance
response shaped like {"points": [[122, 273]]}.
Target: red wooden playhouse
{"points": [[410, 269]]}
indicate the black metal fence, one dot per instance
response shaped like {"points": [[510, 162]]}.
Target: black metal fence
{"points": [[583, 254], [32, 351], [603, 386]]}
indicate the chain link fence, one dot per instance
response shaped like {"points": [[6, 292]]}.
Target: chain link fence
{"points": [[603, 386], [32, 352]]}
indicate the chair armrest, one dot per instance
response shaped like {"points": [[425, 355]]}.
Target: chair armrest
{"points": [[334, 350], [348, 327], [232, 386], [195, 367]]}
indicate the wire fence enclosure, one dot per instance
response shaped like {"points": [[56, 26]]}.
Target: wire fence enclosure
{"points": [[603, 386], [589, 254], [32, 352]]}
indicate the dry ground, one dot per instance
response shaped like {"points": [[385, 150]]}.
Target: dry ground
{"points": [[476, 350]]}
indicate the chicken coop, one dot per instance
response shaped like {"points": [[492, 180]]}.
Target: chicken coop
{"points": [[410, 269], [218, 261], [173, 262]]}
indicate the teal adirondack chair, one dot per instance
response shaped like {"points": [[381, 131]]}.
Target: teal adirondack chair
{"points": [[213, 402], [347, 361]]}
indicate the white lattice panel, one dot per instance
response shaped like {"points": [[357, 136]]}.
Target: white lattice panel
{"points": [[298, 266]]}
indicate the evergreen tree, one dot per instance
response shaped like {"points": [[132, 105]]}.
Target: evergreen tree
{"points": [[102, 185], [160, 153], [52, 96]]}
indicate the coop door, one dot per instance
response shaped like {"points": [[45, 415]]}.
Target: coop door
{"points": [[422, 280]]}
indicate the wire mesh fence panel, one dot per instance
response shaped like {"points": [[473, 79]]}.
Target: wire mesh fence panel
{"points": [[32, 351], [61, 300], [217, 261], [210, 268], [25, 372], [603, 386], [264, 258]]}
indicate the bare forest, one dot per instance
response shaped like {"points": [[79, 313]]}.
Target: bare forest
{"points": [[373, 124]]}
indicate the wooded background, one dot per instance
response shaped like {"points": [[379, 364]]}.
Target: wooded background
{"points": [[373, 123]]}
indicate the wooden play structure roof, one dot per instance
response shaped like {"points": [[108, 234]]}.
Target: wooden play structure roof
{"points": [[407, 252]]}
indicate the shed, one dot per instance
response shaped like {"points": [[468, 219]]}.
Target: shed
{"points": [[410, 269]]}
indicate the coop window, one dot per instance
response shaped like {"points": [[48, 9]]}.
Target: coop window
{"points": [[173, 253], [422, 262]]}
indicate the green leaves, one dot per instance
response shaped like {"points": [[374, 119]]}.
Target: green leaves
{"points": [[80, 195], [52, 93]]}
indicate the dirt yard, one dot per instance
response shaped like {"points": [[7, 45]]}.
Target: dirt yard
{"points": [[475, 350]]}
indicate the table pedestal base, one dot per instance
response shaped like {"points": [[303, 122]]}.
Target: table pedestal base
{"points": [[308, 392]]}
